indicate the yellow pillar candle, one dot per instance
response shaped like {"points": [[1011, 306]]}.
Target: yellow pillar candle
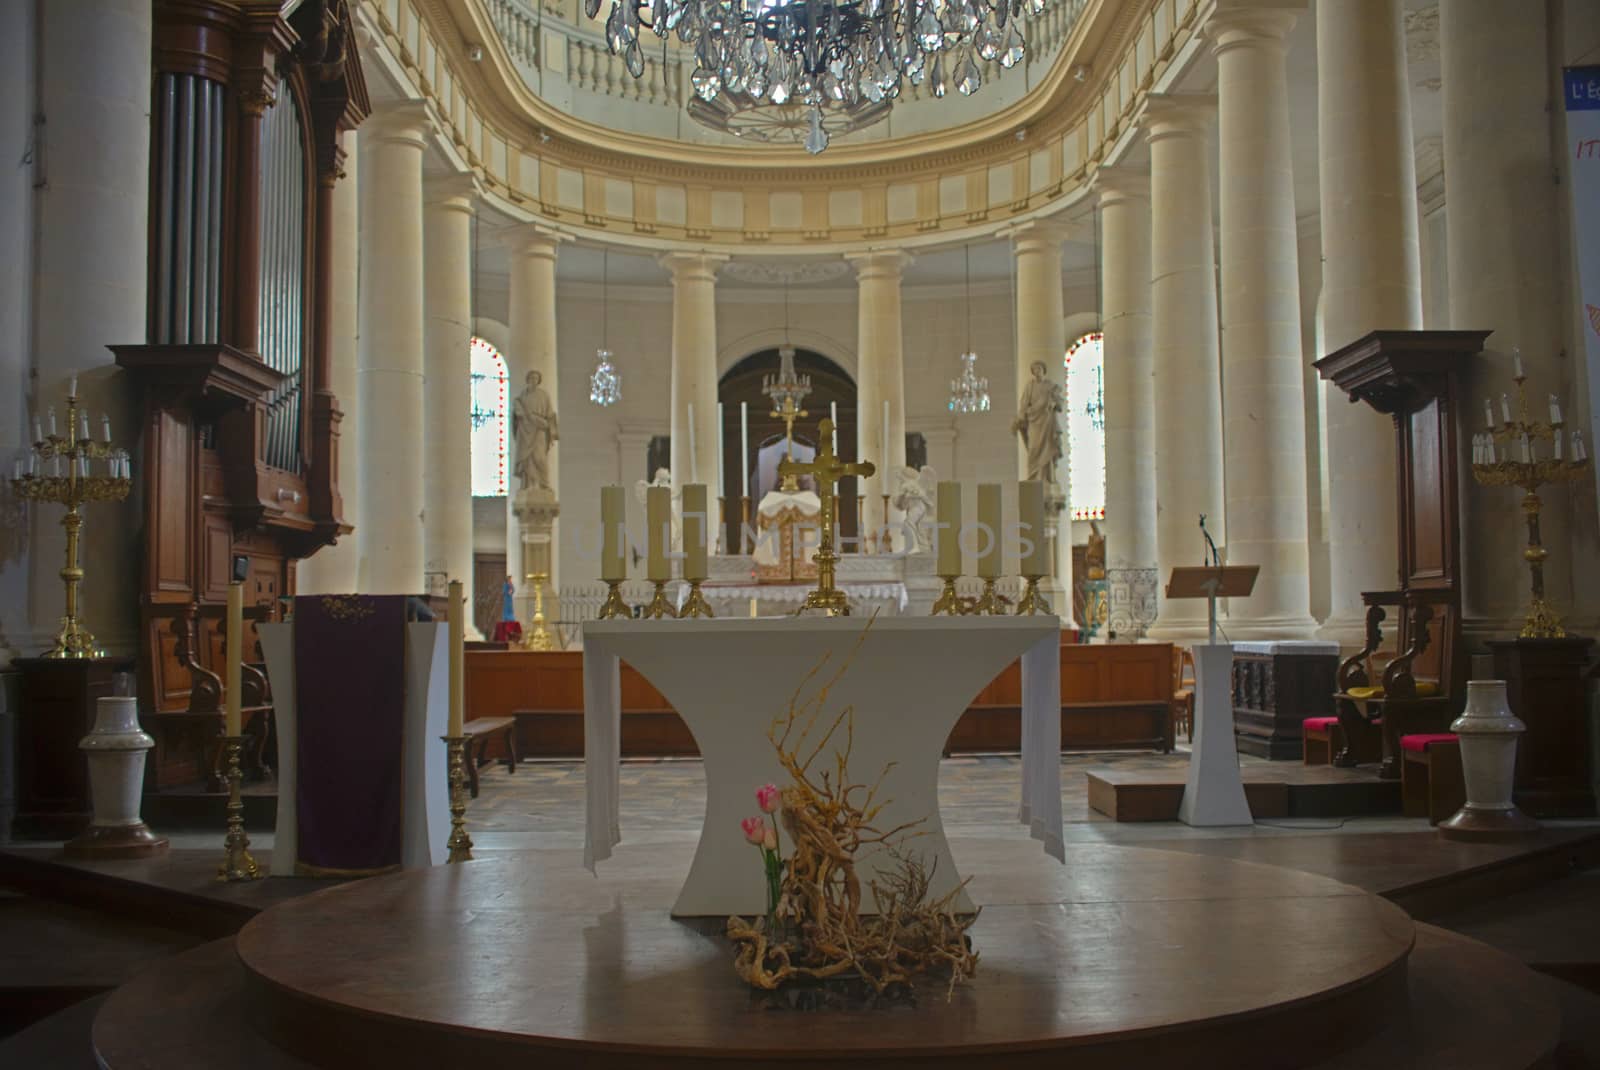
{"points": [[989, 543], [613, 515], [235, 644], [694, 532], [458, 655], [949, 528], [1030, 513], [658, 515]]}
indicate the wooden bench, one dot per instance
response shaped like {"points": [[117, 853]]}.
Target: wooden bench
{"points": [[479, 732], [1431, 781]]}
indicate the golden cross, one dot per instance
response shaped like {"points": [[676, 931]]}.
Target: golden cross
{"points": [[826, 469]]}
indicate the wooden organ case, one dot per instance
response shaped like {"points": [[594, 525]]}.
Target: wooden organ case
{"points": [[240, 434]]}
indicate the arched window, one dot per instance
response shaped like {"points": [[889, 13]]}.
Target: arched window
{"points": [[1086, 426], [489, 420]]}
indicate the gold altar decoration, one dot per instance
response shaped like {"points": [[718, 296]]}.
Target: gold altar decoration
{"points": [[237, 863], [69, 482], [659, 607], [537, 637], [826, 470], [1507, 455], [695, 605], [459, 843], [818, 932], [1033, 600], [614, 606], [991, 603], [950, 604]]}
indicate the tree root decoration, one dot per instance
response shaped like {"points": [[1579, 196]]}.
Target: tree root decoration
{"points": [[818, 932]]}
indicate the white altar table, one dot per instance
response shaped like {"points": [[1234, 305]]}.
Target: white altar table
{"points": [[911, 680]]}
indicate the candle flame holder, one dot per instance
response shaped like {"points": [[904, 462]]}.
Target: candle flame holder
{"points": [[459, 843], [991, 603], [614, 605], [1033, 601], [237, 863], [695, 605], [538, 636], [950, 604], [660, 606]]}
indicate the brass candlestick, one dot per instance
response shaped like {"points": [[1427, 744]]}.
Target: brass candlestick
{"points": [[69, 483], [459, 843], [991, 603], [237, 863], [1033, 600], [538, 637], [863, 526], [696, 605], [886, 546], [1492, 466], [660, 605], [614, 605], [949, 604]]}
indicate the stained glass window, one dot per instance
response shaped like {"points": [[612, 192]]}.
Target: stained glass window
{"points": [[1086, 426], [489, 420]]}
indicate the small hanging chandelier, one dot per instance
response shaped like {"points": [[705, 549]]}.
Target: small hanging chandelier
{"points": [[605, 385], [969, 392]]}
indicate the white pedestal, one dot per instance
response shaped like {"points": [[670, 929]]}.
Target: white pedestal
{"points": [[1214, 792], [115, 748]]}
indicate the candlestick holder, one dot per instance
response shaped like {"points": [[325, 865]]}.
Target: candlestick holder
{"points": [[991, 603], [459, 843], [237, 863], [660, 606], [864, 540], [614, 606], [696, 605], [886, 543], [538, 636], [73, 488], [949, 604], [1033, 600], [1492, 466]]}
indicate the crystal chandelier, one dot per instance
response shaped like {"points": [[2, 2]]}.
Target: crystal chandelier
{"points": [[605, 385], [969, 392], [822, 53], [786, 389]]}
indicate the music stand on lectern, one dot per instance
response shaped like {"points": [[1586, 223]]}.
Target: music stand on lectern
{"points": [[1213, 792]]}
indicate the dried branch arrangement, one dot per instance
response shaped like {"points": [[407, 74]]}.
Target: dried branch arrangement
{"points": [[815, 929]]}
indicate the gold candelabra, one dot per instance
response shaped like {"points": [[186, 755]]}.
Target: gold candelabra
{"points": [[538, 637], [1033, 600], [614, 606], [57, 470], [695, 605], [459, 843], [991, 603], [237, 863], [660, 607], [1508, 455], [950, 604]]}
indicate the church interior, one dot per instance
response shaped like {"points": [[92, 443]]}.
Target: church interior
{"points": [[1096, 493]]}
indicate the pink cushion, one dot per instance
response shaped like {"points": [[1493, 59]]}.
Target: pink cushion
{"points": [[1318, 724], [1425, 740]]}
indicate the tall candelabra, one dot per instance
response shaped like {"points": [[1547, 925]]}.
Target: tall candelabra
{"points": [[60, 468], [1528, 454]]}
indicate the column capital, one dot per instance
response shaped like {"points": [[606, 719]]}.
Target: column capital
{"points": [[458, 192], [1167, 115], [1251, 23], [1119, 184], [403, 122], [688, 267], [879, 264], [533, 240], [1037, 235]]}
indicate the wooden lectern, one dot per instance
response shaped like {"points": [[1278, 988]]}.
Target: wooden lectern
{"points": [[1212, 582]]}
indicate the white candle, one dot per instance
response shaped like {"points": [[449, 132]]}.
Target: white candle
{"points": [[989, 517], [1555, 410], [458, 646], [1488, 414], [753, 608], [613, 515], [38, 429], [744, 449], [1505, 407], [1030, 513], [833, 414], [887, 458], [694, 467], [948, 529], [722, 483], [72, 387], [235, 643], [1522, 444], [694, 532], [105, 427], [1579, 452], [51, 413], [1516, 363], [83, 427], [658, 514]]}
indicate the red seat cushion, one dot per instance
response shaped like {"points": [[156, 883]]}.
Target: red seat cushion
{"points": [[1425, 740], [1318, 724]]}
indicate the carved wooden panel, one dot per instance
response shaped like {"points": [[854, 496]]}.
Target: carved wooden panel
{"points": [[217, 566], [1425, 486], [172, 532]]}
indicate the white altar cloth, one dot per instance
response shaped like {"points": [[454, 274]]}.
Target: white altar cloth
{"points": [[911, 680]]}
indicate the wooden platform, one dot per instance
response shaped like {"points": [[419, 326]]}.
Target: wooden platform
{"points": [[1272, 791]]}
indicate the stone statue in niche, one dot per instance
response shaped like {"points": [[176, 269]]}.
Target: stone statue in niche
{"points": [[1036, 423], [533, 422], [913, 496]]}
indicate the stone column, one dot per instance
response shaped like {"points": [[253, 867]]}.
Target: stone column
{"points": [[694, 364], [336, 569], [880, 377], [1129, 374], [1502, 214], [447, 405], [1183, 305], [1264, 433], [532, 348], [1371, 279], [92, 203], [391, 349], [16, 288]]}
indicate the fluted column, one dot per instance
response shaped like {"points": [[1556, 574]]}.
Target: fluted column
{"points": [[1371, 279], [1129, 373], [336, 569], [1183, 305], [533, 348], [391, 349], [447, 406], [880, 377], [1264, 434], [694, 364], [16, 283], [1501, 233]]}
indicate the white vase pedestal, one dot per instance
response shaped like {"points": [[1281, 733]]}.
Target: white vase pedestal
{"points": [[1488, 732], [115, 748]]}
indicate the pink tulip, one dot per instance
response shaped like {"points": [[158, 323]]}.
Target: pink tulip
{"points": [[769, 839], [769, 798], [755, 829]]}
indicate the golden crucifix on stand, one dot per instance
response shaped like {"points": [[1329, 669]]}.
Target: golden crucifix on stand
{"points": [[826, 470]]}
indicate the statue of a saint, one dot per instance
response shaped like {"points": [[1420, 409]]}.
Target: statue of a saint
{"points": [[533, 423], [1094, 554], [913, 496], [1036, 423]]}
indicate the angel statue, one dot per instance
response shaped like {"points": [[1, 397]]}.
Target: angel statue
{"points": [[913, 496], [664, 479]]}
